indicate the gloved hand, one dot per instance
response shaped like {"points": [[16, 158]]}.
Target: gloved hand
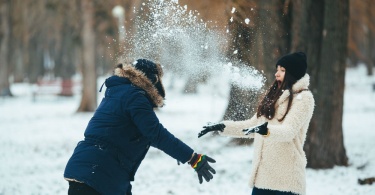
{"points": [[200, 163], [213, 127], [261, 129]]}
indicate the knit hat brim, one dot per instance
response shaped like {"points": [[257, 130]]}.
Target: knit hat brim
{"points": [[294, 63]]}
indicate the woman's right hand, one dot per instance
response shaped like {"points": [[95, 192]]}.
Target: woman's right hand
{"points": [[211, 127], [261, 129]]}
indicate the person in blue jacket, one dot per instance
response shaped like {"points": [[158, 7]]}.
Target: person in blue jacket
{"points": [[121, 131]]}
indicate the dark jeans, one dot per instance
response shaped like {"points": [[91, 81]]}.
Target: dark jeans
{"points": [[257, 191], [76, 188]]}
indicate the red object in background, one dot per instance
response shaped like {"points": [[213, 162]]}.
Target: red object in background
{"points": [[66, 87]]}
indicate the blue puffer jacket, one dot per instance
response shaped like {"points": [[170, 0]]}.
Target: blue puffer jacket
{"points": [[119, 135]]}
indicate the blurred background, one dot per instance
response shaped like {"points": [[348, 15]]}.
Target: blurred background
{"points": [[66, 48]]}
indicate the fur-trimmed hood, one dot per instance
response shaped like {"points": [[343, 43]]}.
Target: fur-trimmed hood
{"points": [[300, 85], [139, 79]]}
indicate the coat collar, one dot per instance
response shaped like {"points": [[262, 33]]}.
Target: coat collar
{"points": [[301, 84], [140, 80]]}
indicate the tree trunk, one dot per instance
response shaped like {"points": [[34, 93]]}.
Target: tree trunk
{"points": [[324, 145], [65, 59], [240, 106], [274, 26], [370, 39], [35, 54], [17, 47], [311, 35], [4, 47], [89, 93]]}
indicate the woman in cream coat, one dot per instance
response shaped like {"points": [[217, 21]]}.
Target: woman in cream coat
{"points": [[279, 130]]}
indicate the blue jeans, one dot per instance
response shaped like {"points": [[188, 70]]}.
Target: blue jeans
{"points": [[257, 191]]}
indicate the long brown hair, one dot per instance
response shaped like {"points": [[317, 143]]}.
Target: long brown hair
{"points": [[267, 105]]}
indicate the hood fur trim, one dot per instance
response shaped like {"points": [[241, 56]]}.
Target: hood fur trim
{"points": [[160, 70], [140, 80], [301, 84]]}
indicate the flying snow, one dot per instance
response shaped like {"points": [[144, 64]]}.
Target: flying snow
{"points": [[180, 40]]}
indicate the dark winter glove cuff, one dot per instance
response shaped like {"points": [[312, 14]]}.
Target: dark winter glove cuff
{"points": [[194, 160]]}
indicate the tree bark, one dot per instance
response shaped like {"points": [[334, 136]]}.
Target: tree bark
{"points": [[274, 24], [68, 43], [17, 47], [240, 106], [326, 58], [89, 93], [4, 47], [370, 38]]}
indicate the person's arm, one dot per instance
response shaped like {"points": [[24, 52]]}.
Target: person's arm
{"points": [[234, 128], [145, 119], [229, 128], [299, 114]]}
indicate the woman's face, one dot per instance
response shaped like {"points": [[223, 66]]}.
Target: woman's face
{"points": [[280, 73]]}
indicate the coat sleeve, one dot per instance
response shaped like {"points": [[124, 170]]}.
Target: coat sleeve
{"points": [[300, 114], [234, 128], [145, 119]]}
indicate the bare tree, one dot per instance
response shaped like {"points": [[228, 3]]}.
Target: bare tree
{"points": [[35, 42], [67, 42], [370, 36], [273, 36], [89, 93], [241, 34], [17, 49], [4, 47], [326, 53]]}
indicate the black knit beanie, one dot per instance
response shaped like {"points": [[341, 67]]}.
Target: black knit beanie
{"points": [[148, 67], [152, 72], [294, 63]]}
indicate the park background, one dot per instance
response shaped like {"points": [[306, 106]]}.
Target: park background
{"points": [[218, 57]]}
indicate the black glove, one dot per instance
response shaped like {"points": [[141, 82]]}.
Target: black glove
{"points": [[261, 129], [200, 163], [213, 127]]}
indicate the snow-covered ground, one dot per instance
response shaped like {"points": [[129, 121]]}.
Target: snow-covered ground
{"points": [[37, 138]]}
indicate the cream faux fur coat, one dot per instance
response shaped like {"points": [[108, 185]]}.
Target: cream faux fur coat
{"points": [[279, 160]]}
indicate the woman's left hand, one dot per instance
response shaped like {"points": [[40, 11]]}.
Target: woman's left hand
{"points": [[211, 127]]}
